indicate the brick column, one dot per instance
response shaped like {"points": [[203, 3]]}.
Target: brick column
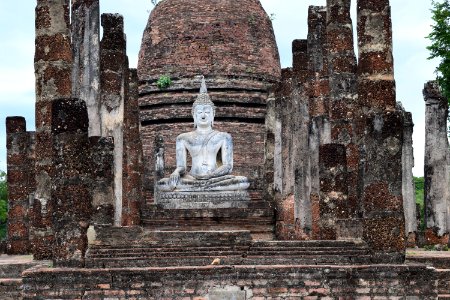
{"points": [[376, 84], [102, 179], [382, 201], [333, 190], [380, 130], [53, 64], [300, 140], [409, 197], [283, 171], [436, 168], [269, 148], [21, 183], [70, 185], [343, 90], [318, 62], [86, 56], [113, 78], [133, 170]]}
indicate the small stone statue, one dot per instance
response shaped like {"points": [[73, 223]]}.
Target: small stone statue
{"points": [[211, 152]]}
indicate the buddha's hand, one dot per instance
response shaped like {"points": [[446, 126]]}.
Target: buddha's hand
{"points": [[174, 179]]}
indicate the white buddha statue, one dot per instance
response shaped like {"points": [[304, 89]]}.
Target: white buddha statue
{"points": [[211, 152]]}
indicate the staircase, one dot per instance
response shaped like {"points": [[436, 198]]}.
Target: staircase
{"points": [[194, 252]]}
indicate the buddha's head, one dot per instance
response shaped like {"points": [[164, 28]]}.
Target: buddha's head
{"points": [[203, 109]]}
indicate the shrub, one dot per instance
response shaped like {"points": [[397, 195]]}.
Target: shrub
{"points": [[163, 82]]}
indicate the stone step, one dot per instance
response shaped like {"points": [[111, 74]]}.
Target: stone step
{"points": [[192, 252], [174, 249], [161, 261], [142, 237], [437, 261], [310, 243], [12, 266], [443, 276], [10, 288], [168, 252], [217, 213]]}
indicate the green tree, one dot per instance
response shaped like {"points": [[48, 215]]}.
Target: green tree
{"points": [[440, 43], [419, 187], [3, 205]]}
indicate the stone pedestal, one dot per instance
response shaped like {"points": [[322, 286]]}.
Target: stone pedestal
{"points": [[199, 200]]}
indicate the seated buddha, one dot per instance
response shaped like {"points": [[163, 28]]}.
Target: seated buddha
{"points": [[211, 152]]}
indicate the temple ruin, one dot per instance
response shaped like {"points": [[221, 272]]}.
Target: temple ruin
{"points": [[325, 146]]}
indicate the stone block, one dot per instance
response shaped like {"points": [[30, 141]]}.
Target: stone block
{"points": [[15, 125], [53, 48], [373, 5], [69, 115], [377, 94]]}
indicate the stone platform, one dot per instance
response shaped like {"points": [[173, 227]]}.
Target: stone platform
{"points": [[233, 282], [258, 218], [285, 280]]}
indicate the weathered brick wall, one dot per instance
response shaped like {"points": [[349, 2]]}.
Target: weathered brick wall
{"points": [[349, 105], [21, 183], [240, 282]]}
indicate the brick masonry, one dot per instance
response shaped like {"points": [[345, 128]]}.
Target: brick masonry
{"points": [[21, 184], [240, 282], [346, 107], [376, 84], [53, 67], [71, 191], [132, 198]]}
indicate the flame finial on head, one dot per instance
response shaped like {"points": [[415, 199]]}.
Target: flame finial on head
{"points": [[203, 97]]}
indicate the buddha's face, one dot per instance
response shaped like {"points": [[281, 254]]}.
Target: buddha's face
{"points": [[203, 116]]}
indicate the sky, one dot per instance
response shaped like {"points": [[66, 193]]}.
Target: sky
{"points": [[411, 21]]}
